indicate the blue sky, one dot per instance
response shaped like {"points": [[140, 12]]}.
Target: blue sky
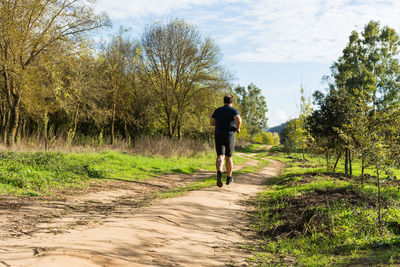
{"points": [[276, 44]]}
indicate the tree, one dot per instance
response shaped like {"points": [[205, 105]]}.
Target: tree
{"points": [[254, 107], [332, 111], [375, 134], [121, 63], [267, 138], [81, 97], [30, 29], [39, 98], [301, 127], [181, 67], [288, 135], [370, 63]]}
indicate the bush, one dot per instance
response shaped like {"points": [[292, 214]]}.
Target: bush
{"points": [[266, 138]]}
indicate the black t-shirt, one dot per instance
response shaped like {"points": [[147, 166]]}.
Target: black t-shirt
{"points": [[224, 117]]}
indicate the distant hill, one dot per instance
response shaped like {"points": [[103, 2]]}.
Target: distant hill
{"points": [[277, 129]]}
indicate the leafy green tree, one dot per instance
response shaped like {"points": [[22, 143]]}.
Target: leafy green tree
{"points": [[182, 67], [375, 134], [253, 107], [370, 63], [266, 138], [302, 133], [30, 29], [288, 135], [81, 98], [120, 66], [331, 112]]}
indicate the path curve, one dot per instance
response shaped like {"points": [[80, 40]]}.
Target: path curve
{"points": [[200, 228]]}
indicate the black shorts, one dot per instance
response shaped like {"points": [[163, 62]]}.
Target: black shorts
{"points": [[225, 144]]}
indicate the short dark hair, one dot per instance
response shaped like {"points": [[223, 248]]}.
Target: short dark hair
{"points": [[228, 99]]}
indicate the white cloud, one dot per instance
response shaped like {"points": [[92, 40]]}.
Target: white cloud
{"points": [[268, 30], [278, 117], [308, 30], [125, 9], [281, 115]]}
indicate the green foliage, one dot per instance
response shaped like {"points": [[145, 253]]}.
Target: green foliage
{"points": [[253, 107], [168, 83], [48, 172], [310, 218], [289, 135], [364, 85], [28, 42], [369, 63], [266, 138]]}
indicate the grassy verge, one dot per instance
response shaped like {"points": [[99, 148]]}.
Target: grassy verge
{"points": [[44, 173], [311, 218]]}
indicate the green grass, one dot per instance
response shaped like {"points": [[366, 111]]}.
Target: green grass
{"points": [[276, 152], [311, 218], [44, 173]]}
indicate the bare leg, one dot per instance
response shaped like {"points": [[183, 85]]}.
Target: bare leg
{"points": [[220, 162], [229, 166]]}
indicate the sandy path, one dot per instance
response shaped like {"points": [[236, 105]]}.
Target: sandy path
{"points": [[200, 228]]}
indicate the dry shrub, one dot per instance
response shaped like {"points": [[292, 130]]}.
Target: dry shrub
{"points": [[165, 147], [241, 143], [146, 146]]}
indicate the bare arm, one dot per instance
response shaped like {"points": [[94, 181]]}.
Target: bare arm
{"points": [[238, 121], [213, 122]]}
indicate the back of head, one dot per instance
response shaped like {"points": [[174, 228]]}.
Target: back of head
{"points": [[228, 99]]}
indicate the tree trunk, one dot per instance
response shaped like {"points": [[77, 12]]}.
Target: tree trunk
{"points": [[23, 129], [346, 162], [14, 120], [45, 134], [362, 170], [114, 111], [350, 163], [337, 160], [19, 127], [362, 166], [72, 132], [179, 131], [379, 201], [125, 129], [6, 125], [327, 157]]}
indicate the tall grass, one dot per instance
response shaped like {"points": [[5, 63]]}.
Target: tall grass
{"points": [[166, 147], [144, 145]]}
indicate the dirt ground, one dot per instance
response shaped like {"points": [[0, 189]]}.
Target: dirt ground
{"points": [[120, 225]]}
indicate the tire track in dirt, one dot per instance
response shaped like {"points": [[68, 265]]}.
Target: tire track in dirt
{"points": [[200, 228]]}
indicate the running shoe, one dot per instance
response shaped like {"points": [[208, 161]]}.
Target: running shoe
{"points": [[219, 179]]}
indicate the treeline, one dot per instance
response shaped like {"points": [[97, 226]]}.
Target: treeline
{"points": [[57, 84]]}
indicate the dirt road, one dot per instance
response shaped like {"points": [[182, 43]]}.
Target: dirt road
{"points": [[200, 228]]}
